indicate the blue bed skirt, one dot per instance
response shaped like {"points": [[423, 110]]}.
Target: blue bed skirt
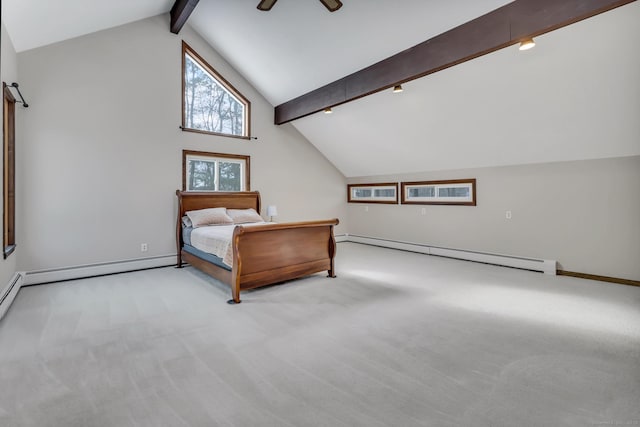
{"points": [[206, 256]]}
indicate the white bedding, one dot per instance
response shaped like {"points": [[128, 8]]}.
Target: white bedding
{"points": [[216, 240]]}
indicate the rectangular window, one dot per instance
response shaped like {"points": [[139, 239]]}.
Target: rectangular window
{"points": [[9, 197], [203, 171], [373, 193], [450, 192]]}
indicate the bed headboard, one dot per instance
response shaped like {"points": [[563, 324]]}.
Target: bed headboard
{"points": [[194, 200]]}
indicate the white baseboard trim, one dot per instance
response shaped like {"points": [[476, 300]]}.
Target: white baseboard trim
{"points": [[89, 270], [391, 244], [543, 265], [10, 291], [341, 237]]}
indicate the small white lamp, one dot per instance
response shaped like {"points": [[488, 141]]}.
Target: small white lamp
{"points": [[272, 211]]}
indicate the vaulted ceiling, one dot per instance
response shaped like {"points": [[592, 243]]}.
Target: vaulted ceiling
{"points": [[508, 107], [35, 23], [299, 46]]}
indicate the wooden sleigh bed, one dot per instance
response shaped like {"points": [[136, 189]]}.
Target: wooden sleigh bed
{"points": [[264, 254]]}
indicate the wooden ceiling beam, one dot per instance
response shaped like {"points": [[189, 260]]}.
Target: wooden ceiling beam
{"points": [[180, 12], [500, 28]]}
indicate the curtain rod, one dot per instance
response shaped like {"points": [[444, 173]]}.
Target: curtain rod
{"points": [[24, 103]]}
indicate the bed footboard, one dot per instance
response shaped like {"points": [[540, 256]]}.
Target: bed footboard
{"points": [[273, 253]]}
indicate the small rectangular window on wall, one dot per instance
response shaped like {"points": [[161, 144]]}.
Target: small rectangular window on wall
{"points": [[9, 196], [204, 171], [373, 193], [448, 192]]}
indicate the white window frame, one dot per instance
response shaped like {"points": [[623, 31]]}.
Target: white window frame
{"points": [[353, 198], [243, 161], [470, 200]]}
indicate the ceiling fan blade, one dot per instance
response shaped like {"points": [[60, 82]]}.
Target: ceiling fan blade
{"points": [[332, 5], [266, 5]]}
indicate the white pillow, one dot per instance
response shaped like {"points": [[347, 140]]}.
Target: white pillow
{"points": [[210, 216], [243, 216]]}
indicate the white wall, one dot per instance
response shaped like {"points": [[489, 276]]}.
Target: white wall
{"points": [[102, 149], [584, 214], [9, 74]]}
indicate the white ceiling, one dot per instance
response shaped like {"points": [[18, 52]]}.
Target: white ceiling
{"points": [[299, 45], [475, 114], [572, 97], [35, 23]]}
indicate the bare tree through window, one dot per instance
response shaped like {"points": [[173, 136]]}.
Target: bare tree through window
{"points": [[211, 104], [205, 171]]}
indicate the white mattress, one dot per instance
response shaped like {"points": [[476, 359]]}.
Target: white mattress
{"points": [[216, 240]]}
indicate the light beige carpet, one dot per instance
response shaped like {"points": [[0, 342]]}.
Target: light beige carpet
{"points": [[398, 339]]}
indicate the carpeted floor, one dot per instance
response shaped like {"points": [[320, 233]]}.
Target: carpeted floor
{"points": [[398, 339]]}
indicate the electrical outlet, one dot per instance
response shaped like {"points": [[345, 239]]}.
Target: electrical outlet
{"points": [[144, 247], [366, 208], [423, 211], [507, 214]]}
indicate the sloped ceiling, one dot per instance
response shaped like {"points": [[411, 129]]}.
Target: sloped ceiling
{"points": [[35, 23], [299, 45], [575, 96]]}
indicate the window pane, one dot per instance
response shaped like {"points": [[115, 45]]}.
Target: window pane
{"points": [[201, 175], [387, 192], [422, 192], [442, 192], [453, 192], [362, 192], [230, 176], [209, 106]]}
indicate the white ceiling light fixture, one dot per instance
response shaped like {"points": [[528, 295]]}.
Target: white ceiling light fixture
{"points": [[527, 44]]}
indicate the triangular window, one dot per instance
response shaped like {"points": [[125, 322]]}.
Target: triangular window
{"points": [[210, 103]]}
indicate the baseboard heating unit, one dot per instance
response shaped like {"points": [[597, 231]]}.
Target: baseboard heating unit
{"points": [[9, 292], [543, 265], [81, 271]]}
